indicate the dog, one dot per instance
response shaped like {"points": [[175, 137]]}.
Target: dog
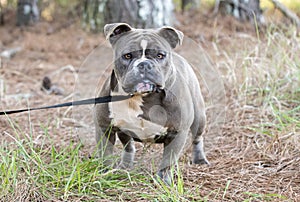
{"points": [[166, 105]]}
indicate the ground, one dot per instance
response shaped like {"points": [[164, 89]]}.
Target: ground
{"points": [[253, 150]]}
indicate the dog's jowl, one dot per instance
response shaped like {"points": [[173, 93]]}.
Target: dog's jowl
{"points": [[166, 107]]}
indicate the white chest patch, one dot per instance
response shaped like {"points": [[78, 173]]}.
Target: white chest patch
{"points": [[125, 116]]}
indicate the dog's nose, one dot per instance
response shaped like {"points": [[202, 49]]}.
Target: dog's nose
{"points": [[144, 66]]}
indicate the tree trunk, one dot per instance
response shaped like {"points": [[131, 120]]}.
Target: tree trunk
{"points": [[27, 12], [140, 14], [244, 10], [92, 17], [190, 5], [288, 13], [1, 15]]}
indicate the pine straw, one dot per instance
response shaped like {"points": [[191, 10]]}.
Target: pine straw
{"points": [[251, 164], [24, 192], [249, 168]]}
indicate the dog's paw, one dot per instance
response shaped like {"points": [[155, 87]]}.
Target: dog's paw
{"points": [[164, 176], [125, 166], [200, 161]]}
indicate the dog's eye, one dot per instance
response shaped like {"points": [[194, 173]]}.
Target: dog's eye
{"points": [[160, 56], [127, 56]]}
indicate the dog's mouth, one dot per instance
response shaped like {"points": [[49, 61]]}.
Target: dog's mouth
{"points": [[146, 87]]}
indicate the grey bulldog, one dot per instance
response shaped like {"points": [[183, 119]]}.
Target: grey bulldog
{"points": [[166, 104]]}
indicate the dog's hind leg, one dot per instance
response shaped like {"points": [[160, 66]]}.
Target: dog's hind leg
{"points": [[197, 129], [198, 154]]}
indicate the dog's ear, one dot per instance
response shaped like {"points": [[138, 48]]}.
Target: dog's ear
{"points": [[115, 30], [173, 36]]}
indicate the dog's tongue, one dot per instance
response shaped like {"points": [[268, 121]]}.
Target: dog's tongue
{"points": [[144, 87]]}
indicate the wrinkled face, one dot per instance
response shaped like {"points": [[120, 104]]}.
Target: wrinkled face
{"points": [[142, 62]]}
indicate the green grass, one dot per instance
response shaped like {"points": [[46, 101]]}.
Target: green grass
{"points": [[264, 197], [40, 172], [49, 173]]}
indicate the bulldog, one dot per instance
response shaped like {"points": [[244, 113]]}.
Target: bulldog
{"points": [[166, 105]]}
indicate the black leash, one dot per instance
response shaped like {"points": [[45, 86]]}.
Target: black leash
{"points": [[97, 100]]}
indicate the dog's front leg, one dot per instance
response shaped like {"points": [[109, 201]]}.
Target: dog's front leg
{"points": [[128, 151], [173, 146], [105, 140]]}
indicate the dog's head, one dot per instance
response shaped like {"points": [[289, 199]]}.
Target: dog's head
{"points": [[143, 57]]}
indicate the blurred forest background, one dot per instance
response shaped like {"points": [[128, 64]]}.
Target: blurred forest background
{"points": [[143, 13]]}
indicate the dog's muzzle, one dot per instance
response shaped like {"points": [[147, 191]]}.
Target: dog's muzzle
{"points": [[147, 87]]}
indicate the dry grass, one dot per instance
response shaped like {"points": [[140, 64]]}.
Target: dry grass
{"points": [[259, 147]]}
